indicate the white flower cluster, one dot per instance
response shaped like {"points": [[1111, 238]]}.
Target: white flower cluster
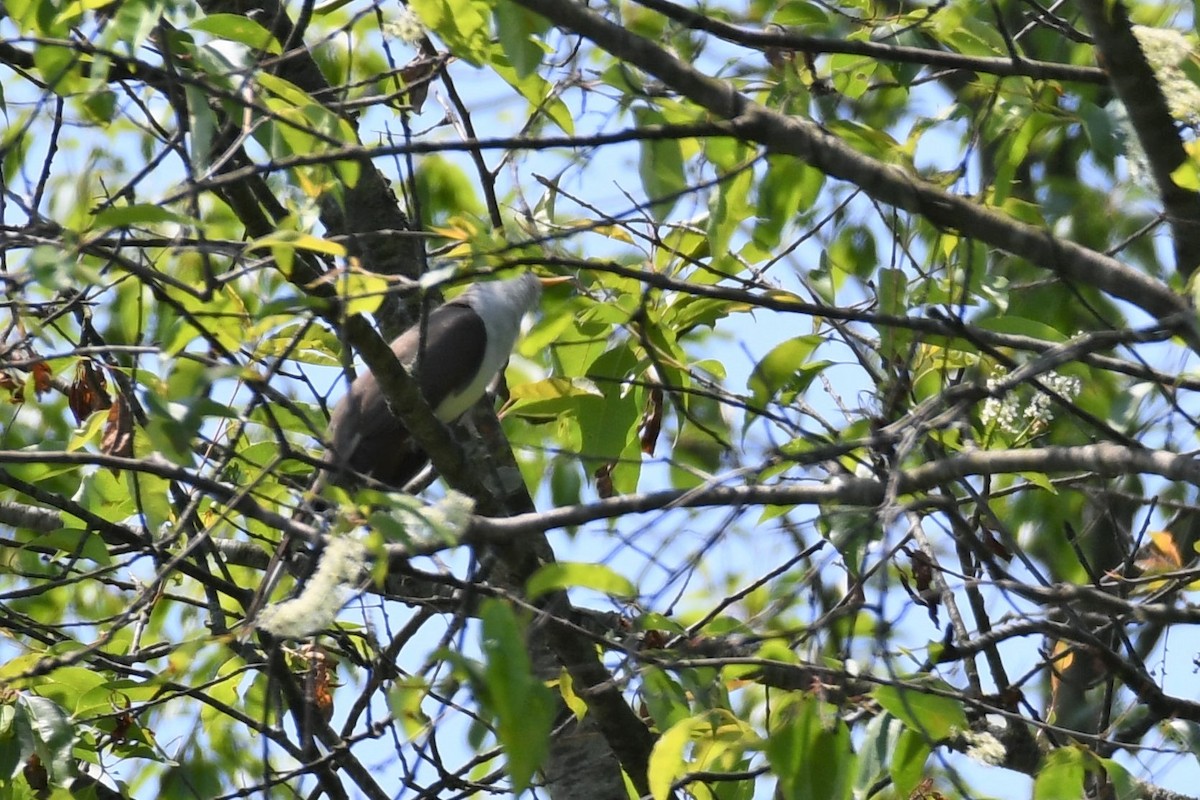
{"points": [[998, 412], [1165, 50], [985, 747], [1006, 413], [343, 565], [449, 516], [405, 26]]}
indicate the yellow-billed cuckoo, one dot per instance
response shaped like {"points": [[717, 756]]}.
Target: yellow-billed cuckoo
{"points": [[466, 343]]}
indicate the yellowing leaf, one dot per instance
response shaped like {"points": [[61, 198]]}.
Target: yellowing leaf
{"points": [[566, 688], [1160, 555], [362, 292], [404, 701], [667, 761], [1187, 176], [611, 231], [1040, 479], [298, 240]]}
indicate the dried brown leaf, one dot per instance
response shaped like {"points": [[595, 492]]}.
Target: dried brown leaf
{"points": [[118, 431], [88, 391], [41, 377], [652, 419], [604, 483]]}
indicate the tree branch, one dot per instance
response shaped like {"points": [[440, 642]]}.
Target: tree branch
{"points": [[886, 183], [794, 39], [1140, 92]]}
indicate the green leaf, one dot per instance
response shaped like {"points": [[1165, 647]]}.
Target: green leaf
{"points": [[283, 89], [134, 22], [879, 741], [784, 367], [550, 396], [445, 190], [567, 575], [202, 121], [101, 105], [53, 735], [1022, 326], [283, 245], [77, 541], [890, 749], [660, 166], [1039, 479], [523, 706], [566, 688], [934, 716], [59, 67], [153, 498], [1126, 787], [786, 186], [608, 423], [404, 701], [729, 210], [666, 699], [566, 483], [297, 240], [653, 621], [810, 751], [892, 288], [198, 776], [302, 126], [315, 345], [461, 24], [15, 747], [238, 28], [67, 685], [800, 12], [71, 13], [25, 13], [538, 91], [519, 31], [139, 214], [908, 762], [1101, 131], [1061, 774], [866, 139]]}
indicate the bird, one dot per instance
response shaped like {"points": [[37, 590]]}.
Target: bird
{"points": [[462, 348]]}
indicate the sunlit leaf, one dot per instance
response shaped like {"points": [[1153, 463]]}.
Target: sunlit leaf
{"points": [[935, 716], [667, 761], [238, 28], [660, 166], [564, 575], [1061, 774], [523, 705]]}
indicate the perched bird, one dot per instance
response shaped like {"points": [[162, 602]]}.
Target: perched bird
{"points": [[466, 343]]}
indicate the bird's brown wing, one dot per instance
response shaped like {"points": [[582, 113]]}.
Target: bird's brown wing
{"points": [[364, 435], [455, 342]]}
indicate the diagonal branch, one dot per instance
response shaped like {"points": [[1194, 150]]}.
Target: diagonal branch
{"points": [[794, 39], [1142, 95], [804, 139]]}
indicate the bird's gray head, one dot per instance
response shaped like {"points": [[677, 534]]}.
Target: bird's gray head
{"points": [[502, 305], [510, 298]]}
